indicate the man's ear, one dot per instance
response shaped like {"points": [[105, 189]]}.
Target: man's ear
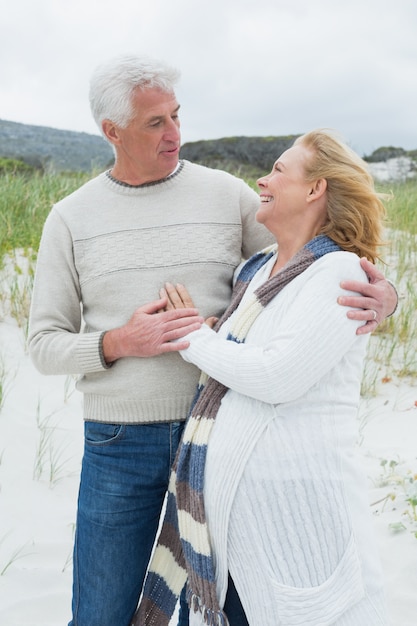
{"points": [[317, 189], [110, 131]]}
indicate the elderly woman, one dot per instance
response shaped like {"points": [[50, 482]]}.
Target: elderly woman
{"points": [[267, 495]]}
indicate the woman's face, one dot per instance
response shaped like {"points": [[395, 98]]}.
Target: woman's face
{"points": [[284, 192]]}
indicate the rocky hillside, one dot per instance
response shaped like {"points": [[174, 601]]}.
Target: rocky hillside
{"points": [[49, 148], [238, 153]]}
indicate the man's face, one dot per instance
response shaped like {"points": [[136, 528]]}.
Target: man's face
{"points": [[148, 148]]}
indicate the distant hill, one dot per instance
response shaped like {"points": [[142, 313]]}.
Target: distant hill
{"points": [[53, 149], [50, 148]]}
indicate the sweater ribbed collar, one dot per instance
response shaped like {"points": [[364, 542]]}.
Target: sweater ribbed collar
{"points": [[151, 183]]}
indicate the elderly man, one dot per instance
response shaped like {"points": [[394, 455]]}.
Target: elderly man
{"points": [[106, 250]]}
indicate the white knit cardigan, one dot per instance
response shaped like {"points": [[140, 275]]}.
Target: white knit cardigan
{"points": [[286, 500]]}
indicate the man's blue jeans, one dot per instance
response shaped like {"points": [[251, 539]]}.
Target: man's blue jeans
{"points": [[124, 478]]}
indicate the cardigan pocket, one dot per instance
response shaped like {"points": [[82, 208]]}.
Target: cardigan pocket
{"points": [[326, 603]]}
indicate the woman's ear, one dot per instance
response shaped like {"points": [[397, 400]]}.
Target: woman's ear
{"points": [[317, 189]]}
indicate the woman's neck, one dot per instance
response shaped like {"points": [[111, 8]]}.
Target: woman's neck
{"points": [[288, 247]]}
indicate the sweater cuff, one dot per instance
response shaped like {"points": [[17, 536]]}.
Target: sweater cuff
{"points": [[104, 363], [202, 333], [90, 352], [395, 289]]}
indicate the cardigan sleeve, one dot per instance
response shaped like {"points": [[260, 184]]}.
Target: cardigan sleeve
{"points": [[57, 343], [305, 342]]}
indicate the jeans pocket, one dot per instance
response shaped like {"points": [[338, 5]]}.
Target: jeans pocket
{"points": [[324, 604], [101, 434]]}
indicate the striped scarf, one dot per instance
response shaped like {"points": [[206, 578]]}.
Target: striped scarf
{"points": [[183, 551]]}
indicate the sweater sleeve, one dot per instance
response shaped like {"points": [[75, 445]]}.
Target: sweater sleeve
{"points": [[302, 345], [57, 343]]}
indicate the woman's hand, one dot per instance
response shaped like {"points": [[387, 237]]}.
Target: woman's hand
{"points": [[179, 298]]}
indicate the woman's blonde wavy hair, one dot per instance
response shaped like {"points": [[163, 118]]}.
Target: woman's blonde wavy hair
{"points": [[355, 210]]}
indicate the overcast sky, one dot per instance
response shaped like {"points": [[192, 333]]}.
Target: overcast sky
{"points": [[248, 67]]}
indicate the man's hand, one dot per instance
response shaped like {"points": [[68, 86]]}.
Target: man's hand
{"points": [[378, 299], [150, 331]]}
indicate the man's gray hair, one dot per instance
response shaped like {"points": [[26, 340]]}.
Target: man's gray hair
{"points": [[113, 83]]}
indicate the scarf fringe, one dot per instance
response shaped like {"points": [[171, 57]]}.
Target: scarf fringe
{"points": [[210, 617]]}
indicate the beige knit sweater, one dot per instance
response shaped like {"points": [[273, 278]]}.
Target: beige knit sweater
{"points": [[106, 250]]}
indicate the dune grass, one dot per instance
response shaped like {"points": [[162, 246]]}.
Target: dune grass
{"points": [[393, 347], [25, 201]]}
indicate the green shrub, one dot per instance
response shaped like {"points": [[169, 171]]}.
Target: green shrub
{"points": [[15, 166]]}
